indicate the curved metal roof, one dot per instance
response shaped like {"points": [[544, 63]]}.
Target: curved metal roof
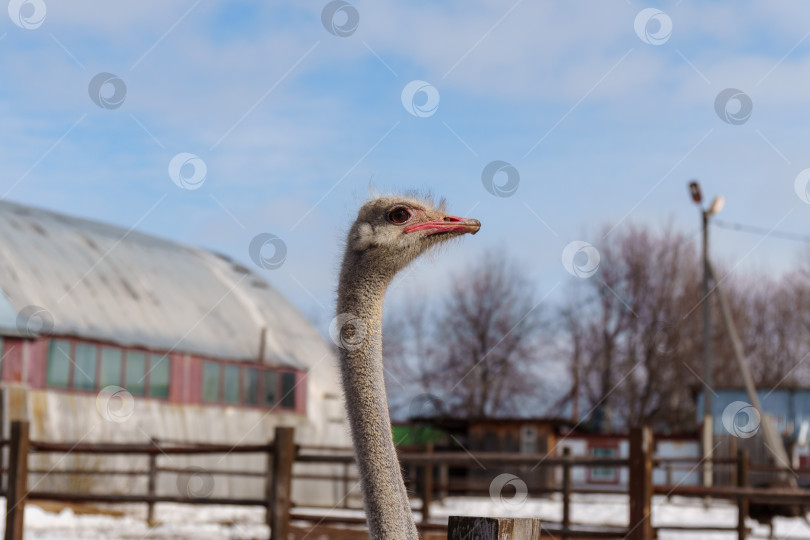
{"points": [[103, 282]]}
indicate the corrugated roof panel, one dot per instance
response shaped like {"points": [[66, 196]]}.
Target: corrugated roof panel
{"points": [[104, 282]]}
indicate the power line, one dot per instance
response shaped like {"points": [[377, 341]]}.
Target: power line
{"points": [[762, 231]]}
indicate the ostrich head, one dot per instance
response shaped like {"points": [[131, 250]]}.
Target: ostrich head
{"points": [[390, 232]]}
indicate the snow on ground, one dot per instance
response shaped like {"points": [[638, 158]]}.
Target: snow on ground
{"points": [[238, 523], [181, 522], [613, 510]]}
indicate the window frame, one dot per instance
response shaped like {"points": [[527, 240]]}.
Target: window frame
{"points": [[51, 346], [293, 376], [151, 371], [245, 383], [528, 439], [99, 346], [121, 372], [261, 384], [146, 370], [217, 399], [601, 477]]}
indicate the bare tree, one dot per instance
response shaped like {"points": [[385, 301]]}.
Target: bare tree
{"points": [[631, 345], [775, 319], [634, 341], [474, 353]]}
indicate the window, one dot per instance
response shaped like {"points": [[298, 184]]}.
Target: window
{"points": [[231, 384], [58, 373], [288, 390], [239, 384], [84, 374], [270, 388], [251, 386], [603, 474], [528, 439], [210, 386], [136, 373], [89, 367], [110, 373], [159, 376]]}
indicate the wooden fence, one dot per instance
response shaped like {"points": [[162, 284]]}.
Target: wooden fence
{"points": [[431, 482], [280, 456]]}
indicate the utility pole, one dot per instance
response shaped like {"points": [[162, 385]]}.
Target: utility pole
{"points": [[708, 372], [707, 435]]}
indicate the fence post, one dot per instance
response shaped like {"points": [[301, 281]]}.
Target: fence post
{"points": [[566, 493], [742, 502], [346, 487], [151, 487], [444, 480], [670, 481], [640, 464], [17, 479], [279, 482], [482, 528], [427, 484]]}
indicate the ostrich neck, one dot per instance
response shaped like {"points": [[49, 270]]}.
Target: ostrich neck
{"points": [[388, 510]]}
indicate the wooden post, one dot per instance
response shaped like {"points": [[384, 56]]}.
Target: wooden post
{"points": [[279, 482], [268, 484], [483, 528], [566, 494], [17, 479], [734, 451], [670, 480], [151, 487], [346, 487], [444, 480], [742, 502], [641, 449], [427, 484], [544, 476]]}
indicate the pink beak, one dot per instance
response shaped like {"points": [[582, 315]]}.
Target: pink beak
{"points": [[447, 224]]}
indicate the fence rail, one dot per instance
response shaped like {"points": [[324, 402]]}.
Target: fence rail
{"points": [[281, 455]]}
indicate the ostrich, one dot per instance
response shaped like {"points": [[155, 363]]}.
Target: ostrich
{"points": [[388, 234]]}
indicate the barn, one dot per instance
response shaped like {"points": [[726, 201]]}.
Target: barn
{"points": [[111, 335]]}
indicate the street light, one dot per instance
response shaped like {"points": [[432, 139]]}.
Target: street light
{"points": [[708, 440]]}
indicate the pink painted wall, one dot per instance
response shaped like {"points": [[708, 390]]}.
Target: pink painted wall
{"points": [[12, 359]]}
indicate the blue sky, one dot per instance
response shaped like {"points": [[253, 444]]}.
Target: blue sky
{"points": [[605, 125]]}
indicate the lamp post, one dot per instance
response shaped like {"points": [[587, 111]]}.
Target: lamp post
{"points": [[708, 428]]}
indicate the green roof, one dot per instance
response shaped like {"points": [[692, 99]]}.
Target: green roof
{"points": [[416, 435]]}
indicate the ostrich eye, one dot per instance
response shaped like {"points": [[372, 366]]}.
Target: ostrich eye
{"points": [[399, 215]]}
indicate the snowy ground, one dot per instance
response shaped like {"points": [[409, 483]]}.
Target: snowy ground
{"points": [[209, 522], [613, 510], [181, 522]]}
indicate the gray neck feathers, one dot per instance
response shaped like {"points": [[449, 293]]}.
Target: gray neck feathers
{"points": [[360, 301]]}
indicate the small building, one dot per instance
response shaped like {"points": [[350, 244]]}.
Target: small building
{"points": [[529, 435], [111, 335], [737, 425], [789, 407], [507, 435]]}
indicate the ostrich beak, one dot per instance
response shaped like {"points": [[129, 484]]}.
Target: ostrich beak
{"points": [[446, 224]]}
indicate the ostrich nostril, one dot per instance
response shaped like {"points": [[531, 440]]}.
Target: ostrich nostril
{"points": [[450, 218]]}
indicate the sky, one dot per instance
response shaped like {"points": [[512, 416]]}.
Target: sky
{"points": [[212, 123]]}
